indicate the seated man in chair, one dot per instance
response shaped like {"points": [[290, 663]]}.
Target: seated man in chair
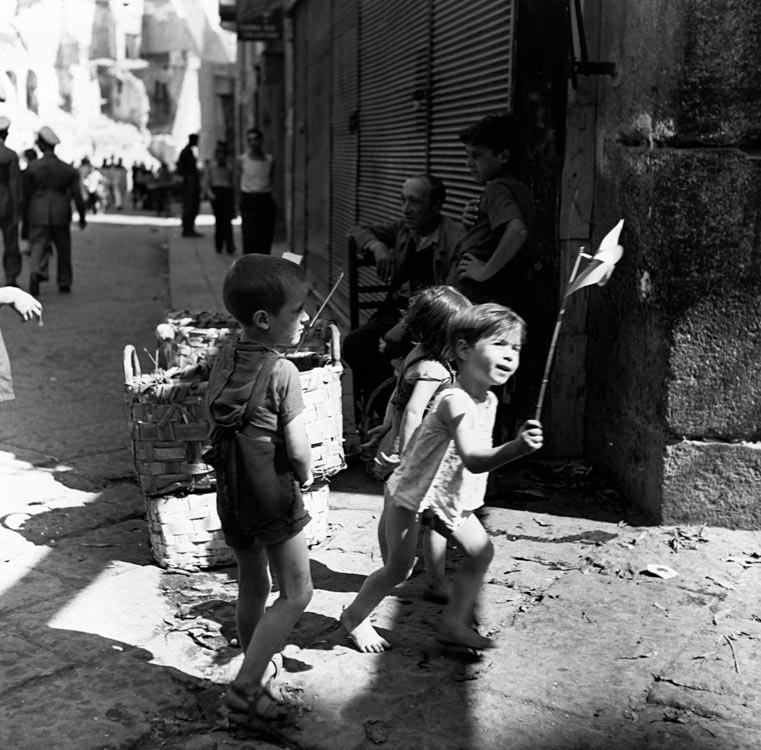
{"points": [[410, 253]]}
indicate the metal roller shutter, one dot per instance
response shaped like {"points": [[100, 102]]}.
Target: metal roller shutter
{"points": [[343, 165], [298, 186], [472, 76], [394, 69], [318, 142]]}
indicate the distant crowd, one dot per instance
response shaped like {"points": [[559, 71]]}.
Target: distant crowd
{"points": [[108, 187]]}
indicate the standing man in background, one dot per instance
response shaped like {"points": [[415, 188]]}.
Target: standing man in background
{"points": [[187, 168], [218, 184], [255, 171], [49, 186], [10, 206]]}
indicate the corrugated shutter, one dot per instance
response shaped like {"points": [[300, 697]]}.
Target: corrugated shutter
{"points": [[318, 144], [299, 146], [472, 76], [344, 120], [394, 69]]}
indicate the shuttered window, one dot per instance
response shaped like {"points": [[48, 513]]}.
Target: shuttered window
{"points": [[318, 141], [381, 89], [345, 139], [394, 69], [472, 64], [300, 115]]}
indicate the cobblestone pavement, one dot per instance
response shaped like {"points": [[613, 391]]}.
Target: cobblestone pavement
{"points": [[102, 648]]}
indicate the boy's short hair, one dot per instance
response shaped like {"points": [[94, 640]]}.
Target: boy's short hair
{"points": [[259, 282], [496, 132], [484, 321], [255, 131], [430, 311]]}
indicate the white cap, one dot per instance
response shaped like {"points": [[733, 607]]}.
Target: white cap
{"points": [[46, 134], [5, 123]]}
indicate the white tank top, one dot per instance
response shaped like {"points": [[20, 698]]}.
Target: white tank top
{"points": [[255, 174]]}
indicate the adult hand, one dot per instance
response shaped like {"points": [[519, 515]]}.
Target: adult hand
{"points": [[374, 436], [306, 485], [394, 336], [470, 267], [82, 222], [470, 213], [530, 436], [384, 261], [25, 305]]}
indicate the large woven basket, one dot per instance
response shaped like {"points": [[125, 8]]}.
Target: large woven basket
{"points": [[168, 427], [198, 338], [185, 531]]}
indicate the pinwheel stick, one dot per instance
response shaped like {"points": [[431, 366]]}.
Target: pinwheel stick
{"points": [[318, 313], [555, 334]]}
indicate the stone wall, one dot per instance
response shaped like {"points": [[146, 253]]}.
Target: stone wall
{"points": [[673, 376]]}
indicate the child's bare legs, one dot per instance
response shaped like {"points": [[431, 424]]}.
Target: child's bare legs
{"points": [[478, 549], [382, 531], [289, 561], [402, 527], [435, 554], [254, 587]]}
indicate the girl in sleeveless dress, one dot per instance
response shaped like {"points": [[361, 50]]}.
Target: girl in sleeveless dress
{"points": [[444, 468], [424, 373]]}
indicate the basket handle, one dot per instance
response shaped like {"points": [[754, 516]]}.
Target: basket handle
{"points": [[131, 364], [335, 343]]}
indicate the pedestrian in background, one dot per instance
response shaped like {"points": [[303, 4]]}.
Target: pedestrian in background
{"points": [[218, 183], [10, 205], [255, 173], [49, 187], [28, 308], [262, 457], [187, 168]]}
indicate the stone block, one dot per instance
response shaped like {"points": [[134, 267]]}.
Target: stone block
{"points": [[718, 484]]}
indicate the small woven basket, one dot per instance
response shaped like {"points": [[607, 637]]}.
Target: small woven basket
{"points": [[187, 338], [168, 428]]}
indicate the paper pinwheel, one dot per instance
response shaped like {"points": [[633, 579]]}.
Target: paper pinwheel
{"points": [[601, 264], [598, 270]]}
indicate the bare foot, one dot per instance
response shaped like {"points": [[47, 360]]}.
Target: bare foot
{"points": [[463, 637], [365, 637]]}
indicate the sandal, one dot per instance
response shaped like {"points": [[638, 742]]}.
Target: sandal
{"points": [[242, 708]]}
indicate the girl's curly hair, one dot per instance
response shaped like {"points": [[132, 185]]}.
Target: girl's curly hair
{"points": [[430, 311]]}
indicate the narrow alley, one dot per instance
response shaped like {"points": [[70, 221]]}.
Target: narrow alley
{"points": [[104, 649]]}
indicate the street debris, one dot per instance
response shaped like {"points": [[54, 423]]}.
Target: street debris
{"points": [[634, 657], [720, 582], [687, 538], [728, 639], [660, 571], [376, 731]]}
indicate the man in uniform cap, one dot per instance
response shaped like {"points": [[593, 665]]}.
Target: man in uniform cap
{"points": [[50, 185], [10, 205]]}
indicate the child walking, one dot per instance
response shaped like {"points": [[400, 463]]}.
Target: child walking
{"points": [[262, 457], [444, 468], [424, 373]]}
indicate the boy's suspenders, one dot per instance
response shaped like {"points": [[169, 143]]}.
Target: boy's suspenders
{"points": [[258, 389], [220, 434]]}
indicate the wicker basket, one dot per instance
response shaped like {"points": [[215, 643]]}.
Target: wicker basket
{"points": [[197, 341], [168, 428], [194, 337], [185, 531]]}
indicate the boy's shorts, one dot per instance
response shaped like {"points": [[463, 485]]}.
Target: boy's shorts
{"points": [[264, 505]]}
